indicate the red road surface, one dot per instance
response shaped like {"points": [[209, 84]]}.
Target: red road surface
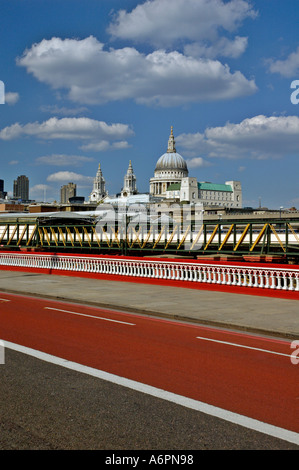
{"points": [[245, 374]]}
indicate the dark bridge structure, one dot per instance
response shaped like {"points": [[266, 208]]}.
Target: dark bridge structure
{"points": [[272, 238]]}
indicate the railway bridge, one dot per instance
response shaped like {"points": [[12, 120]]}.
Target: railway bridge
{"points": [[270, 239]]}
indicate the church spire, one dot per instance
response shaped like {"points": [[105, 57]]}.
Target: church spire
{"points": [[99, 172], [129, 182], [99, 190], [171, 142]]}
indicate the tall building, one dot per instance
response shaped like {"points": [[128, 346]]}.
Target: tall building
{"points": [[3, 193], [129, 187], [98, 192], [21, 188], [67, 191], [1, 189]]}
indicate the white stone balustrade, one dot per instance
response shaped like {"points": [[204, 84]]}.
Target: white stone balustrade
{"points": [[247, 275]]}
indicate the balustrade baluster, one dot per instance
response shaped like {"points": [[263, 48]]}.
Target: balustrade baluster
{"points": [[278, 278]]}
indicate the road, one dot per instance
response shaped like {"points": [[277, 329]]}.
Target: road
{"points": [[244, 376]]}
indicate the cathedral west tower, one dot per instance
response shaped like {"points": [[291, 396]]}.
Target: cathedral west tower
{"points": [[98, 192], [129, 187]]}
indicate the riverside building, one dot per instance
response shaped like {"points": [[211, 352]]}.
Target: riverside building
{"points": [[172, 183]]}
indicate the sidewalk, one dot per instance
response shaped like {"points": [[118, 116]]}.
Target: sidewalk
{"points": [[272, 316]]}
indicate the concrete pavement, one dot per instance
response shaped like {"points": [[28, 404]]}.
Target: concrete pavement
{"points": [[271, 316]]}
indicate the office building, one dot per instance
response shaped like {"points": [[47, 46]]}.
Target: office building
{"points": [[21, 188]]}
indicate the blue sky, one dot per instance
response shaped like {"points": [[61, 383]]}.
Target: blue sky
{"points": [[102, 81]]}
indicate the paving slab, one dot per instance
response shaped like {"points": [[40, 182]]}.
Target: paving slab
{"points": [[272, 316]]}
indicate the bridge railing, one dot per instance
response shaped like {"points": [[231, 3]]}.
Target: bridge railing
{"points": [[226, 274]]}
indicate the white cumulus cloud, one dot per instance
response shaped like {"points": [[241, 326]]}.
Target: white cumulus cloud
{"points": [[166, 23], [11, 97], [89, 131], [197, 162], [288, 67], [224, 47], [256, 137], [63, 160], [92, 75], [70, 176]]}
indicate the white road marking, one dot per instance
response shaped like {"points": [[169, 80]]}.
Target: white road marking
{"points": [[243, 346], [91, 316], [250, 423], [4, 300]]}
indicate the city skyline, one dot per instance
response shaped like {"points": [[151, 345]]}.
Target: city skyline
{"points": [[102, 82]]}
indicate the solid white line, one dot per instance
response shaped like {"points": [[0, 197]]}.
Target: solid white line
{"points": [[242, 346], [250, 423], [91, 316]]}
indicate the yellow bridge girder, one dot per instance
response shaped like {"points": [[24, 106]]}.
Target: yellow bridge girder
{"points": [[216, 237]]}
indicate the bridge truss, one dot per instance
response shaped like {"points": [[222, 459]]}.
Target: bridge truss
{"points": [[275, 237]]}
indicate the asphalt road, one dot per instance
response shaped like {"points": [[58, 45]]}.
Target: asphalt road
{"points": [[48, 407], [51, 407]]}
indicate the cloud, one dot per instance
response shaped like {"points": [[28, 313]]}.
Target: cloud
{"points": [[38, 188], [197, 162], [92, 75], [167, 23], [222, 48], [54, 109], [84, 129], [63, 160], [105, 145], [257, 137], [43, 192], [11, 98], [288, 67], [70, 176]]}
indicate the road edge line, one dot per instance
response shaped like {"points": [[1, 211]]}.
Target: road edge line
{"points": [[241, 420]]}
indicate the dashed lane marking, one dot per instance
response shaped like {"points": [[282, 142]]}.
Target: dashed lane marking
{"points": [[90, 316], [242, 346]]}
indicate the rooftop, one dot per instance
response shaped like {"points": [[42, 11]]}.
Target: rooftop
{"points": [[203, 186], [214, 187]]}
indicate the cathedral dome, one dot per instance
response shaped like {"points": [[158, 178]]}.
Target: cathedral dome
{"points": [[171, 160]]}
